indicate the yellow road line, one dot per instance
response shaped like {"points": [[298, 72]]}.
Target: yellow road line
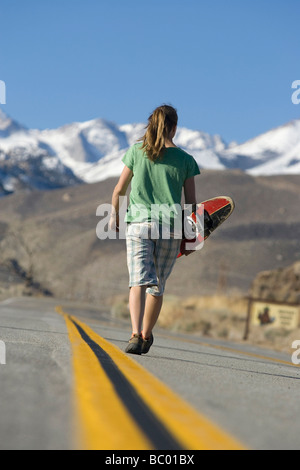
{"points": [[192, 430], [104, 422]]}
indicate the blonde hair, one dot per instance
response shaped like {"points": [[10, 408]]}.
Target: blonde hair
{"points": [[160, 124]]}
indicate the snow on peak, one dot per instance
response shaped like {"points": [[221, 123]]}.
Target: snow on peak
{"points": [[8, 126], [274, 152]]}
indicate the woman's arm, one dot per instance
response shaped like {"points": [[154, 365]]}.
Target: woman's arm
{"points": [[190, 198], [120, 190], [190, 191]]}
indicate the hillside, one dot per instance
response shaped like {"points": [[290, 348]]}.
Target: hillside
{"points": [[279, 285], [50, 237]]}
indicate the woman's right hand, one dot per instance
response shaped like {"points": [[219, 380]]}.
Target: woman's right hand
{"points": [[114, 222]]}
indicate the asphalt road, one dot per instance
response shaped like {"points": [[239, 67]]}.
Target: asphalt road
{"points": [[250, 394]]}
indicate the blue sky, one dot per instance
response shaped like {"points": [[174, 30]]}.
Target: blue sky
{"points": [[226, 65]]}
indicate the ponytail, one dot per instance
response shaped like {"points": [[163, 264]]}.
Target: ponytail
{"points": [[160, 124]]}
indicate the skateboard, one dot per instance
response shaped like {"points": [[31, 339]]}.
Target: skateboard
{"points": [[203, 220]]}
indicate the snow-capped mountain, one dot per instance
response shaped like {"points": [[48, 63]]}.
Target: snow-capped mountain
{"points": [[92, 151], [274, 152], [27, 163], [36, 169]]}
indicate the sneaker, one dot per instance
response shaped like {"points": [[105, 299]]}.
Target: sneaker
{"points": [[135, 345], [147, 343]]}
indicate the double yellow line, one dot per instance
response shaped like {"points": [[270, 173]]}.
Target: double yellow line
{"points": [[121, 406]]}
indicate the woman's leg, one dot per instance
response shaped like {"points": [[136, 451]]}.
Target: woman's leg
{"points": [[137, 307], [152, 311], [165, 255]]}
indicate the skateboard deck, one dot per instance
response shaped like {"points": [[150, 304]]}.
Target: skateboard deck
{"points": [[203, 221]]}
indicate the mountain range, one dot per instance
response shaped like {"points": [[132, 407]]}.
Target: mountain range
{"points": [[91, 151]]}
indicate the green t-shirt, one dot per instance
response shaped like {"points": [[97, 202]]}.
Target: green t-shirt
{"points": [[157, 183]]}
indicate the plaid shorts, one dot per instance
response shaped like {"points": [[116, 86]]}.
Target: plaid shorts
{"points": [[150, 261]]}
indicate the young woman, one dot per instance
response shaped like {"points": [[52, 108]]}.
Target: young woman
{"points": [[158, 172]]}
